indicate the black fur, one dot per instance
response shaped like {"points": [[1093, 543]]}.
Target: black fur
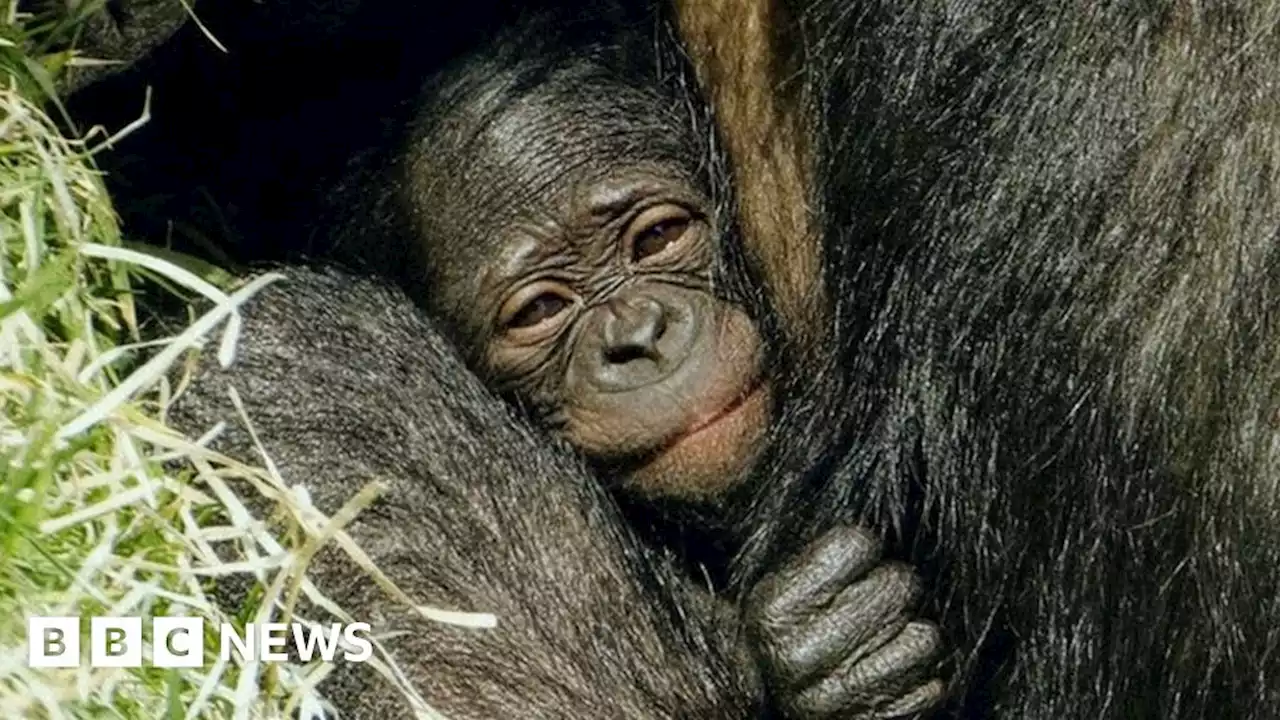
{"points": [[1052, 380], [111, 35], [1052, 232]]}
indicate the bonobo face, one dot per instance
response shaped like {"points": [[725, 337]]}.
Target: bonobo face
{"points": [[573, 251], [605, 320]]}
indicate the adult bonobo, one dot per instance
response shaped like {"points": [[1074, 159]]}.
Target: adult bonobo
{"points": [[1048, 356], [1027, 254], [1038, 342]]}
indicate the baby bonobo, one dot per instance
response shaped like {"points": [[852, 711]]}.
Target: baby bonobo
{"points": [[572, 229]]}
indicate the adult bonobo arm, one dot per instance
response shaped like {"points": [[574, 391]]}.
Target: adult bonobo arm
{"points": [[344, 383]]}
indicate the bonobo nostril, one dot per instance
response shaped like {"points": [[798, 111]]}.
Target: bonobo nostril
{"points": [[632, 329], [626, 353]]}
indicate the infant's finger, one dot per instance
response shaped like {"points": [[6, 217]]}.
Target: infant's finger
{"points": [[919, 700], [855, 624], [877, 680], [811, 579]]}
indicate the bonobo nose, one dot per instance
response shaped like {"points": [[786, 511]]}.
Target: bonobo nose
{"points": [[639, 340], [632, 330]]}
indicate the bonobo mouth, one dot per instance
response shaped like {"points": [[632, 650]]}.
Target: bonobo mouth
{"points": [[710, 423], [710, 453]]}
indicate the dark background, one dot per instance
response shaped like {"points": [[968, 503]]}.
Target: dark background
{"points": [[242, 144]]}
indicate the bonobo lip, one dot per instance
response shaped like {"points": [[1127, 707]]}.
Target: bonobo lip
{"points": [[709, 454], [705, 424]]}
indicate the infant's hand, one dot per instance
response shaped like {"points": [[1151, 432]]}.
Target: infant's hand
{"points": [[834, 633]]}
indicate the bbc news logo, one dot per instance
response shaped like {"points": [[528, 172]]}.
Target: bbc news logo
{"points": [[178, 642]]}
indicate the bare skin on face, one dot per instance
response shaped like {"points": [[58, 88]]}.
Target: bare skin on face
{"points": [[642, 367], [701, 463], [585, 289]]}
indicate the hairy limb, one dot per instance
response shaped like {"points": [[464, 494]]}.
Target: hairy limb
{"points": [[117, 33], [736, 51], [345, 383]]}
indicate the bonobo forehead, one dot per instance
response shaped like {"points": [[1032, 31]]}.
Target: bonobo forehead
{"points": [[515, 165]]}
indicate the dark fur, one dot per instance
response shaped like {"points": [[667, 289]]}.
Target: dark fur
{"points": [[109, 35], [1052, 230], [347, 383], [1050, 242]]}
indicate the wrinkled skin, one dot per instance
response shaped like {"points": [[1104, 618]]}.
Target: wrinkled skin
{"points": [[835, 636]]}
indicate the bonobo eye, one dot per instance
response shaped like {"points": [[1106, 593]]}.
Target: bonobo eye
{"points": [[656, 230], [534, 310], [538, 309]]}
